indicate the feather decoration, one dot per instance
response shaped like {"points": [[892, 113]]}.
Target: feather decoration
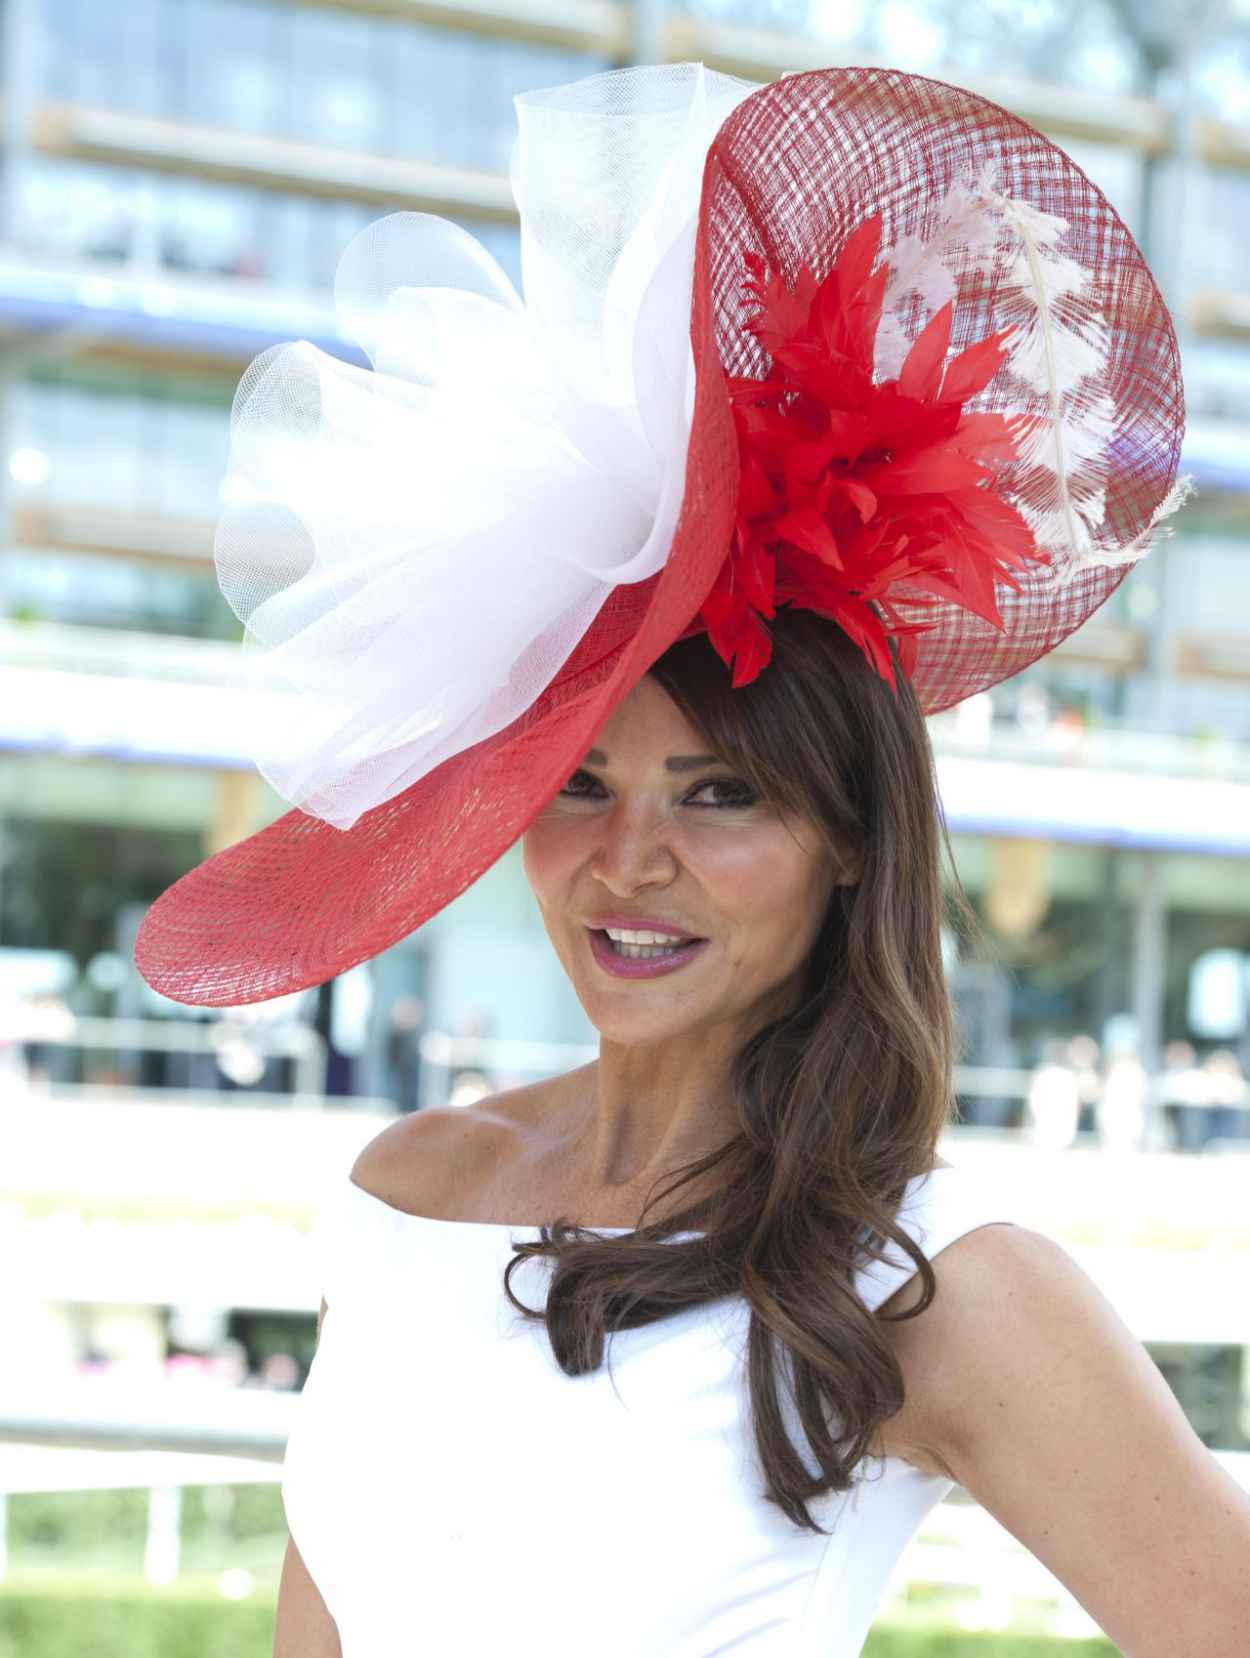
{"points": [[1059, 351], [1141, 543], [1056, 360], [881, 472], [921, 265]]}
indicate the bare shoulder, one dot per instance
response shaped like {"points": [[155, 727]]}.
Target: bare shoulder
{"points": [[422, 1154], [983, 1280], [430, 1161], [1054, 1417]]}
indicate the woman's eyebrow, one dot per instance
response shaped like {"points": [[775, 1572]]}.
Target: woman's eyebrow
{"points": [[675, 762]]}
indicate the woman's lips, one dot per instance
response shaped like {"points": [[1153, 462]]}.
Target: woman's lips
{"points": [[640, 967]]}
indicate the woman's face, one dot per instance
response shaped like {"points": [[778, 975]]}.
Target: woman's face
{"points": [[648, 829]]}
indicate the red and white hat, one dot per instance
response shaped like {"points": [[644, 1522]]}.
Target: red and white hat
{"points": [[856, 341]]}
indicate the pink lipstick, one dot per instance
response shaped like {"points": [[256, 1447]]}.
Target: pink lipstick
{"points": [[640, 967]]}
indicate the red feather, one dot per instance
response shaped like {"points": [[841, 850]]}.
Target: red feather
{"points": [[867, 501], [974, 368], [921, 374]]}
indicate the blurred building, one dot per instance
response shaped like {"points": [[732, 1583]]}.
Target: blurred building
{"points": [[179, 178]]}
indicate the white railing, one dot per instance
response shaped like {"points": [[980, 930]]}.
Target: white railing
{"points": [[484, 1059], [126, 1039], [960, 1545], [456, 1069]]}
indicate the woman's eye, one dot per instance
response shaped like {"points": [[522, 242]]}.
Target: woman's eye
{"points": [[568, 787], [736, 793]]}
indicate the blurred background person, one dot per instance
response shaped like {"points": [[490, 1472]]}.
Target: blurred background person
{"points": [[1054, 1102], [1183, 1095], [1226, 1084], [1122, 1107]]}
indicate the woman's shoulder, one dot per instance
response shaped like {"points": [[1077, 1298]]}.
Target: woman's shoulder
{"points": [[430, 1161], [432, 1148]]}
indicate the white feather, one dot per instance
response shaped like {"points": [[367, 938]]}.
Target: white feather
{"points": [[1059, 527], [925, 266], [1085, 440], [1055, 349], [1056, 358], [891, 348], [1142, 542], [1059, 357], [1044, 228], [961, 224]]}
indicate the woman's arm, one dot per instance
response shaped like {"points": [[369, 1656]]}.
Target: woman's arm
{"points": [[1053, 1416], [304, 1627]]}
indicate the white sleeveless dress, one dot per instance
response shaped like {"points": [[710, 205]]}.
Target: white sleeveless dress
{"points": [[453, 1492]]}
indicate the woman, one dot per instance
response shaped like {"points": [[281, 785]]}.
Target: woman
{"points": [[672, 1355]]}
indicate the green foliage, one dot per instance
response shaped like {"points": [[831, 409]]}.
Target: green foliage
{"points": [[885, 1642], [107, 1529], [55, 1620], [56, 1615]]}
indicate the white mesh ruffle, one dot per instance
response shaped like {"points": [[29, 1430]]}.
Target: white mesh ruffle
{"points": [[417, 548]]}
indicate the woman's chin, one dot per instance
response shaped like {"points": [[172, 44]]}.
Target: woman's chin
{"points": [[639, 1025]]}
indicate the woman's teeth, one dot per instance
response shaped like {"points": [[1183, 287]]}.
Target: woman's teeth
{"points": [[641, 945]]}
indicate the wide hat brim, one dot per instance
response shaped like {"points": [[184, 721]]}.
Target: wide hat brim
{"points": [[791, 173]]}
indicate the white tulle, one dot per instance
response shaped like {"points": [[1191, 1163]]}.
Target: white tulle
{"points": [[418, 547]]}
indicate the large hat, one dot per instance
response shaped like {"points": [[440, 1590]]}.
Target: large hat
{"points": [[855, 340]]}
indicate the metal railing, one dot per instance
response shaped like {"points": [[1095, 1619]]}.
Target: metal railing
{"points": [[457, 1068], [126, 1039]]}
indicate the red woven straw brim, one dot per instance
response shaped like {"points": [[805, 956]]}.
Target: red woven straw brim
{"points": [[792, 171]]}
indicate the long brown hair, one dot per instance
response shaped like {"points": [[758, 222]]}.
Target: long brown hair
{"points": [[839, 1102]]}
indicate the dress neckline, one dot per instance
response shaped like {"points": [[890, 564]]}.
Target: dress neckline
{"points": [[491, 1228], [487, 1227]]}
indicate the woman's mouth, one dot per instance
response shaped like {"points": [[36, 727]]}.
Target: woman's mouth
{"points": [[641, 961]]}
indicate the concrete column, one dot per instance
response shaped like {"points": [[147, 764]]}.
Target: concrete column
{"points": [[234, 817], [18, 23], [1149, 963]]}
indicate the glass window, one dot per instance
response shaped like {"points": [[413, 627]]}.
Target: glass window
{"points": [[181, 470], [445, 74], [53, 56], [73, 209], [96, 591], [334, 226], [231, 70], [1217, 378], [98, 54], [1117, 172], [1221, 73], [210, 228], [194, 450], [335, 74], [143, 90], [33, 442], [1204, 584], [99, 442], [40, 220], [286, 229], [1218, 201]]}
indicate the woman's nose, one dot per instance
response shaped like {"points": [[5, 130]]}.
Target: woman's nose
{"points": [[633, 848]]}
